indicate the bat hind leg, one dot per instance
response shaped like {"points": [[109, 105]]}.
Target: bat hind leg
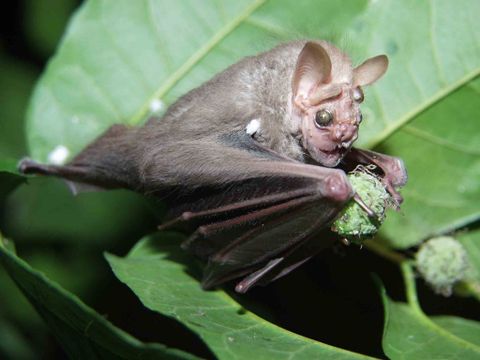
{"points": [[28, 166], [104, 164], [78, 178]]}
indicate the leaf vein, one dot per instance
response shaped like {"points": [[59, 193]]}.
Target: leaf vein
{"points": [[268, 27], [409, 116], [436, 140], [415, 82]]}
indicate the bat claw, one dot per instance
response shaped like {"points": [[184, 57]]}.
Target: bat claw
{"points": [[27, 166], [397, 199], [371, 214]]}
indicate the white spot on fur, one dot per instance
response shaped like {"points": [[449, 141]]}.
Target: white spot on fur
{"points": [[156, 105], [59, 155], [252, 127]]}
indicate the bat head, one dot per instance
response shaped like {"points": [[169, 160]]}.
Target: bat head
{"points": [[327, 92]]}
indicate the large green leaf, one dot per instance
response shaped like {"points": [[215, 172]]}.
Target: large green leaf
{"points": [[155, 271], [440, 149], [410, 334], [82, 332]]}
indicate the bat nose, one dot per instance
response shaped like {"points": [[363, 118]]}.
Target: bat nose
{"points": [[343, 132]]}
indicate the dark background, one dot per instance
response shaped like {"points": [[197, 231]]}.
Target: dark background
{"points": [[333, 299]]}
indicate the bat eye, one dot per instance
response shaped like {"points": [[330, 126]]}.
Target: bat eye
{"points": [[358, 95], [323, 118], [360, 117]]}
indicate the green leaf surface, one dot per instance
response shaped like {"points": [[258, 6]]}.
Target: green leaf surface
{"points": [[432, 79], [9, 177], [471, 241], [443, 161], [410, 334], [82, 332], [91, 219], [9, 166], [467, 330], [155, 271], [17, 80]]}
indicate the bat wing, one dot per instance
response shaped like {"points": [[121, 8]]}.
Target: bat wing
{"points": [[251, 207], [258, 227], [271, 243], [289, 261]]}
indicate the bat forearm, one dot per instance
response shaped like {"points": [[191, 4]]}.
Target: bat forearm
{"points": [[211, 163]]}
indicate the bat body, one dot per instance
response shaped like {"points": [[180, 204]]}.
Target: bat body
{"points": [[253, 159]]}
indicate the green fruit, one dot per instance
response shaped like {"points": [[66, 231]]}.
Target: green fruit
{"points": [[353, 223], [442, 262]]}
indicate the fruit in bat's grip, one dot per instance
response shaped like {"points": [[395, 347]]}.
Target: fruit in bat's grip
{"points": [[353, 222], [442, 262]]}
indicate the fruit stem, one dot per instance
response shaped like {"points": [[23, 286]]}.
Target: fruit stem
{"points": [[410, 286], [385, 252]]}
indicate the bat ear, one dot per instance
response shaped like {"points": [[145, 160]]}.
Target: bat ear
{"points": [[313, 68], [370, 70]]}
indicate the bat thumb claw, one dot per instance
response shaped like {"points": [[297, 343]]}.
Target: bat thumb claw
{"points": [[371, 214]]}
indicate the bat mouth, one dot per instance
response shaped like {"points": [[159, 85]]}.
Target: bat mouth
{"points": [[339, 150], [330, 157], [331, 152], [325, 151]]}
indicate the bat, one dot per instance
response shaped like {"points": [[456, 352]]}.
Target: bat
{"points": [[253, 161]]}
